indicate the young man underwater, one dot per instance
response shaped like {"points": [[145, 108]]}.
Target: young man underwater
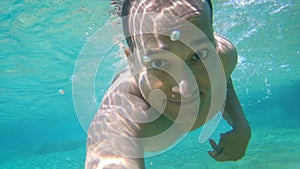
{"points": [[174, 85]]}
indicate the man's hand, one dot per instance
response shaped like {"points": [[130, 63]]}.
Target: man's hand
{"points": [[232, 145]]}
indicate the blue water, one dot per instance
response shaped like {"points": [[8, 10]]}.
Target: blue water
{"points": [[40, 42]]}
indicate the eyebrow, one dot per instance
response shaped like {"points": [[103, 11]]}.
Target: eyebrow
{"points": [[160, 50], [200, 41], [157, 50]]}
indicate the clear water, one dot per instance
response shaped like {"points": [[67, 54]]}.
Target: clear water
{"points": [[41, 40]]}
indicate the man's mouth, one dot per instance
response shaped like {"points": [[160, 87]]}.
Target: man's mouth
{"points": [[184, 102]]}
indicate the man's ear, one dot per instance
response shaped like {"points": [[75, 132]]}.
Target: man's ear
{"points": [[127, 52], [129, 59]]}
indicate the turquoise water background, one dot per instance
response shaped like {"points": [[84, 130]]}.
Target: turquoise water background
{"points": [[40, 42]]}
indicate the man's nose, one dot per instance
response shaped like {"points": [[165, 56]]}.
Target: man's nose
{"points": [[185, 88]]}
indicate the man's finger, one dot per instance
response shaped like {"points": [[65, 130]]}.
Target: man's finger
{"points": [[212, 154], [213, 144]]}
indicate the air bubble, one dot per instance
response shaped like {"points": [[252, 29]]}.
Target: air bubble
{"points": [[61, 91], [146, 59], [175, 35]]}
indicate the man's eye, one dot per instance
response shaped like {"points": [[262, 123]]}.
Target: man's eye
{"points": [[201, 54], [158, 63]]}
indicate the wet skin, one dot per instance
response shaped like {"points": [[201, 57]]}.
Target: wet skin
{"points": [[196, 50], [157, 79]]}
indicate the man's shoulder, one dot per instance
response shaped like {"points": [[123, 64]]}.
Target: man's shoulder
{"points": [[123, 75], [227, 52], [224, 46], [124, 83]]}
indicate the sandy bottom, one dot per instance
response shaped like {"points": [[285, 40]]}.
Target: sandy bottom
{"points": [[269, 148]]}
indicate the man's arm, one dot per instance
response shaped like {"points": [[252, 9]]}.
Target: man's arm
{"points": [[111, 143], [233, 112], [233, 144]]}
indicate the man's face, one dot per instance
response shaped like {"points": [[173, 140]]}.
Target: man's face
{"points": [[174, 74]]}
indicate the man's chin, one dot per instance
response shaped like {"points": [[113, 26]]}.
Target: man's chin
{"points": [[182, 114]]}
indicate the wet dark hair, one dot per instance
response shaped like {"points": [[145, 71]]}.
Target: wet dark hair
{"points": [[123, 7], [125, 12]]}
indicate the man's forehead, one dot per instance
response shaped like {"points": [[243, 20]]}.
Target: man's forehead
{"points": [[158, 17], [161, 18], [190, 31], [177, 36]]}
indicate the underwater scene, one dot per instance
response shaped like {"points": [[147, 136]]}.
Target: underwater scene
{"points": [[42, 41]]}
